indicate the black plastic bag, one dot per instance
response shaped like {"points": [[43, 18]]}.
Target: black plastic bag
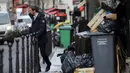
{"points": [[110, 5], [64, 55], [71, 62], [83, 61], [107, 26], [68, 62], [71, 48], [56, 38], [76, 12]]}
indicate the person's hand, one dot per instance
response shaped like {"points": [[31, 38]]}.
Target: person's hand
{"points": [[29, 10]]}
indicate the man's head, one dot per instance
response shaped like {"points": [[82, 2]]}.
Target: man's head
{"points": [[33, 10]]}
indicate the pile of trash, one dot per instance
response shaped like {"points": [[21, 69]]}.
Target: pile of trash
{"points": [[70, 61]]}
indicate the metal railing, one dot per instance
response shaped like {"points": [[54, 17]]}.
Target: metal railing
{"points": [[29, 55]]}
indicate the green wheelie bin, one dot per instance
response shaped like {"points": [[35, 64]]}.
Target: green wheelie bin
{"points": [[65, 35]]}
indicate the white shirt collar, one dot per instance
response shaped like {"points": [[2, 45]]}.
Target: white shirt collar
{"points": [[35, 16]]}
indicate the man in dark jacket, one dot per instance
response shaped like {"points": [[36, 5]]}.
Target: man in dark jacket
{"points": [[39, 25]]}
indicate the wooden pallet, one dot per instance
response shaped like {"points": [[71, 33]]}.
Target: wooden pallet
{"points": [[95, 18], [84, 70], [100, 19]]}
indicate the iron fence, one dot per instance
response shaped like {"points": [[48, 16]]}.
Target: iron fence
{"points": [[29, 54]]}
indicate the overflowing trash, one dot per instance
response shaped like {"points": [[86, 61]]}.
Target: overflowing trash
{"points": [[107, 26], [70, 61]]}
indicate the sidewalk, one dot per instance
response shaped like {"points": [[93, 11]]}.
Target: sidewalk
{"points": [[56, 64]]}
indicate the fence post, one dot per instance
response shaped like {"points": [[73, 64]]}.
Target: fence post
{"points": [[23, 55], [27, 53], [1, 60], [10, 57], [35, 54], [31, 55], [34, 59], [17, 55]]}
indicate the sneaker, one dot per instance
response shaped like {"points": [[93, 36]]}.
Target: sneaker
{"points": [[48, 67]]}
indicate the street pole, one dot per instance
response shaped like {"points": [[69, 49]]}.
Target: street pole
{"points": [[35, 2], [22, 1], [53, 3], [32, 2], [43, 4], [92, 5], [13, 3], [39, 3], [12, 12]]}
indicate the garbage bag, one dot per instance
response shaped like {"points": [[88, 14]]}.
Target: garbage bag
{"points": [[56, 38], [82, 61], [71, 62], [76, 12], [71, 48], [68, 62], [107, 26], [89, 60], [64, 55], [109, 4]]}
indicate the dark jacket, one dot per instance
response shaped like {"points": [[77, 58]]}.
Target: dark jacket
{"points": [[39, 25]]}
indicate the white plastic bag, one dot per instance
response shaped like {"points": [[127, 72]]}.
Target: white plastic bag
{"points": [[111, 4]]}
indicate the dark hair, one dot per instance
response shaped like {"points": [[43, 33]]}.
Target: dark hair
{"points": [[35, 8], [122, 1]]}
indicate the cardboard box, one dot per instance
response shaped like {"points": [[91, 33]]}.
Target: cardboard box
{"points": [[84, 70]]}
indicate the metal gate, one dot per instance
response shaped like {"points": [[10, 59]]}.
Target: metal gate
{"points": [[29, 55]]}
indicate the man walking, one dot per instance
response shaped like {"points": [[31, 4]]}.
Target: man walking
{"points": [[39, 25]]}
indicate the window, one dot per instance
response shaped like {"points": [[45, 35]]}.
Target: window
{"points": [[4, 18], [28, 21]]}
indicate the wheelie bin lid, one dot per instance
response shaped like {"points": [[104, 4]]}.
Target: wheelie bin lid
{"points": [[89, 33], [66, 27], [100, 33]]}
